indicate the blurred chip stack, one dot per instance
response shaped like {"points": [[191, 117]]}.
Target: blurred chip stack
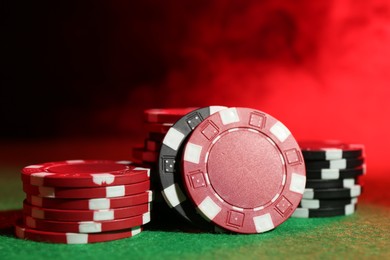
{"points": [[333, 171]]}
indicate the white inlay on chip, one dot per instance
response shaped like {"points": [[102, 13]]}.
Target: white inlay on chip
{"points": [[209, 208], [135, 231], [115, 191], [37, 178], [37, 213], [173, 138], [280, 131], [348, 183], [310, 204], [174, 195], [30, 222], [330, 174], [215, 109], [298, 183], [90, 227], [355, 190], [308, 194], [102, 203], [332, 154], [338, 164], [146, 218], [75, 238], [229, 116], [103, 178], [349, 209], [103, 215], [301, 213], [263, 223], [37, 201], [47, 192], [192, 153]]}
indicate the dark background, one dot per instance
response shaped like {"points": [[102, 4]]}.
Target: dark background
{"points": [[88, 68]]}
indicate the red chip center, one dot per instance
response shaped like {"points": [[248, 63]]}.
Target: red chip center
{"points": [[87, 168], [245, 168]]}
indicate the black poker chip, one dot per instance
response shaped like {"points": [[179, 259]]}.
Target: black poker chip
{"points": [[338, 193], [326, 203], [330, 150], [325, 212], [330, 184], [334, 174], [169, 166], [334, 164]]}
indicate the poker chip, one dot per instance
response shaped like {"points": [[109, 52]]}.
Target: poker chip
{"points": [[151, 145], [21, 231], [334, 174], [166, 115], [243, 170], [325, 212], [338, 193], [329, 184], [142, 155], [91, 204], [84, 215], [84, 173], [330, 150], [326, 203], [87, 193], [86, 226], [169, 167], [334, 164], [158, 128]]}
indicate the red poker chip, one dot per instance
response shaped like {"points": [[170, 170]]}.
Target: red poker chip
{"points": [[84, 215], [91, 204], [21, 231], [87, 226], [84, 173], [87, 193], [151, 145], [166, 115], [158, 128], [141, 155], [244, 170]]}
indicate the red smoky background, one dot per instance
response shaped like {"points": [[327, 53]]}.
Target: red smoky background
{"points": [[89, 68]]}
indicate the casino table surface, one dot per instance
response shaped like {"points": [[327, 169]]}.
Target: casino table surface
{"points": [[365, 234]]}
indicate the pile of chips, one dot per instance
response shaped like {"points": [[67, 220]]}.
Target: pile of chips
{"points": [[231, 169], [333, 171], [221, 169], [78, 202]]}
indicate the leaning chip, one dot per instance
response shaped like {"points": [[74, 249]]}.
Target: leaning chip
{"points": [[243, 170], [169, 163]]}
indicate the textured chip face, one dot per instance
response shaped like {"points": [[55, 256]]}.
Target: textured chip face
{"points": [[243, 170]]}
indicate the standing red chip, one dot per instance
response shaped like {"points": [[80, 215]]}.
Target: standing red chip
{"points": [[84, 173], [244, 170]]}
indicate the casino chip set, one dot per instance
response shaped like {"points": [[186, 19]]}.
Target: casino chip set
{"points": [[236, 170], [333, 172], [78, 202], [227, 169]]}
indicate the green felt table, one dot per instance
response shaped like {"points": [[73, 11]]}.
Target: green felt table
{"points": [[365, 234]]}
